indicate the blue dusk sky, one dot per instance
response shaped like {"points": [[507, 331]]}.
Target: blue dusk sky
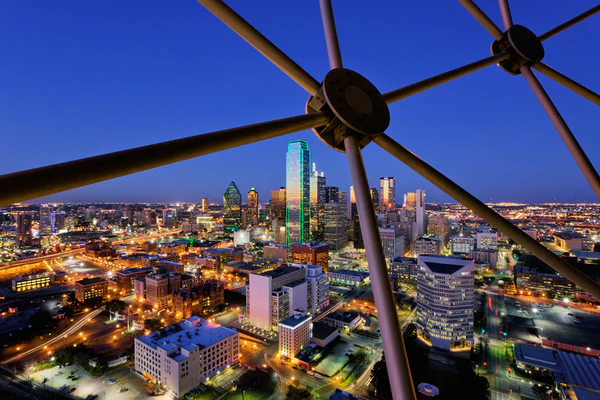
{"points": [[81, 78]]}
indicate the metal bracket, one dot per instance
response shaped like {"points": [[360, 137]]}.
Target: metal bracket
{"points": [[524, 47]]}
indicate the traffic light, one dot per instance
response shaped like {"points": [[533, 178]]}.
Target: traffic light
{"points": [[483, 331], [505, 334], [485, 364]]}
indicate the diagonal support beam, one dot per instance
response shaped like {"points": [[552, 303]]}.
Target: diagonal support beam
{"points": [[331, 37], [262, 44], [33, 183], [418, 87], [391, 333], [506, 14], [582, 160], [489, 215], [568, 83], [482, 18], [566, 25]]}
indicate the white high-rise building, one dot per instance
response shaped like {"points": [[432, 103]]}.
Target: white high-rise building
{"points": [[426, 245], [272, 296], [294, 333], [487, 240], [461, 245], [387, 194], [392, 241], [318, 287], [184, 354], [445, 302], [421, 218]]}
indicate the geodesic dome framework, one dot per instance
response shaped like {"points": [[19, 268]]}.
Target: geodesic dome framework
{"points": [[348, 112]]}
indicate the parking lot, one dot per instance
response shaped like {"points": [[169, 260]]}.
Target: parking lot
{"points": [[558, 323], [126, 386]]}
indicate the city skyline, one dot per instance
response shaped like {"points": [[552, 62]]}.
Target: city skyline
{"points": [[120, 109]]}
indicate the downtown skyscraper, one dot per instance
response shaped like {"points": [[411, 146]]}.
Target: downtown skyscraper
{"points": [[252, 207], [318, 196], [232, 208], [297, 213], [387, 194]]}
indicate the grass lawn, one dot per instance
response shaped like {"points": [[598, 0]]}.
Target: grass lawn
{"points": [[248, 395]]}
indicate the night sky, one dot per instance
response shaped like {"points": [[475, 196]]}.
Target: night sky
{"points": [[81, 78]]}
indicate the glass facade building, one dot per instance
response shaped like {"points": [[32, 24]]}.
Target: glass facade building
{"points": [[252, 207], [232, 208], [297, 213]]}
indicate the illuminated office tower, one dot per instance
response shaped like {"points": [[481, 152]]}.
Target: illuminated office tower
{"points": [[332, 194], [375, 198], [357, 238], [421, 218], [318, 197], [343, 197], [277, 204], [57, 221], [445, 302], [232, 208], [45, 215], [168, 218], [410, 200], [297, 213], [23, 230], [204, 204], [487, 239], [252, 207], [387, 194], [336, 225]]}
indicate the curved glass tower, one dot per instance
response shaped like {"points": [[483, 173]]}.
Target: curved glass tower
{"points": [[297, 211], [232, 208]]}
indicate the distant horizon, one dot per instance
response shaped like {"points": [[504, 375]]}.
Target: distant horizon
{"points": [[265, 202]]}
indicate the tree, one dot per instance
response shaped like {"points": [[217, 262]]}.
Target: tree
{"points": [[40, 321], [152, 324], [115, 306], [298, 393]]}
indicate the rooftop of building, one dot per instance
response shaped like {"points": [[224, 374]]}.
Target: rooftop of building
{"points": [[569, 235], [91, 281], [405, 259], [339, 394], [159, 276], [129, 271], [322, 331], [346, 317], [278, 246], [444, 264], [569, 368], [170, 263], [310, 245], [295, 320], [188, 334], [524, 269], [295, 283], [348, 272], [280, 271]]}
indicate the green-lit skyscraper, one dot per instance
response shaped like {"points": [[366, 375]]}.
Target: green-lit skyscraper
{"points": [[232, 208], [297, 213]]}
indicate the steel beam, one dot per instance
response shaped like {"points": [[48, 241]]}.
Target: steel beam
{"points": [[489, 215], [331, 37], [582, 160], [506, 14], [391, 334], [566, 25], [567, 82], [482, 18], [251, 35], [33, 183], [421, 86]]}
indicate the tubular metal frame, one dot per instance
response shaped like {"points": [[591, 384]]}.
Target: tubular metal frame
{"points": [[25, 185]]}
